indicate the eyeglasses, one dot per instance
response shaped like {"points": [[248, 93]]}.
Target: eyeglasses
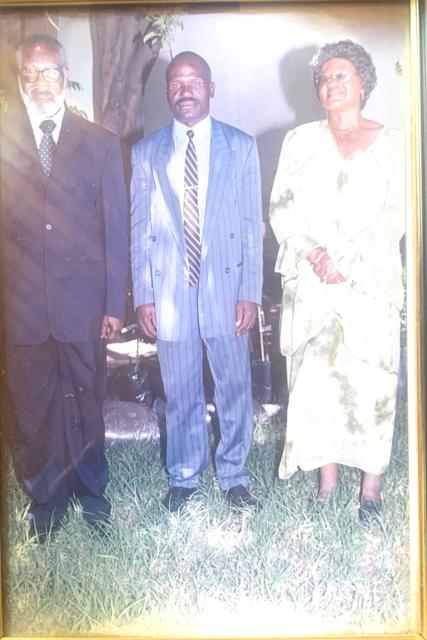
{"points": [[50, 74], [193, 84], [338, 76]]}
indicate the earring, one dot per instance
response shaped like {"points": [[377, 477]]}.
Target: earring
{"points": [[362, 94]]}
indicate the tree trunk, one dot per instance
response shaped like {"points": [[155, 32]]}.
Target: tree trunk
{"points": [[121, 67]]}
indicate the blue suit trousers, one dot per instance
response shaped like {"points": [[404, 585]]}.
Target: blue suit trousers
{"points": [[187, 444]]}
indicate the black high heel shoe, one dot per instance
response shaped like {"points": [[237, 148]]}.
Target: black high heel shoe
{"points": [[369, 509], [324, 496]]}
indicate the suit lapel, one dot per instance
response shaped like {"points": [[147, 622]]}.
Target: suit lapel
{"points": [[21, 148], [220, 157], [173, 209], [69, 139]]}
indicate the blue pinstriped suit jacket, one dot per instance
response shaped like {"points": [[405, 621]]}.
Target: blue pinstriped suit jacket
{"points": [[231, 261]]}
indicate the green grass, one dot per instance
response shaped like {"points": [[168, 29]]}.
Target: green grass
{"points": [[290, 567]]}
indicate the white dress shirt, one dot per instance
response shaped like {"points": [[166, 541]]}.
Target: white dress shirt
{"points": [[202, 143], [36, 119]]}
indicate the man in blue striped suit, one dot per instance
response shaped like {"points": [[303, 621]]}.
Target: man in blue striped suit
{"points": [[197, 276]]}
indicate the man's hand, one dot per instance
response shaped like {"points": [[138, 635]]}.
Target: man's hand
{"points": [[323, 266], [246, 315], [146, 318], [110, 327]]}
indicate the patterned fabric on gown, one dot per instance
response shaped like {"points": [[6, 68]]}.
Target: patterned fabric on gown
{"points": [[342, 341]]}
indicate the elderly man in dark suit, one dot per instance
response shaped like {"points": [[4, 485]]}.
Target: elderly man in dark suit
{"points": [[197, 266], [64, 233]]}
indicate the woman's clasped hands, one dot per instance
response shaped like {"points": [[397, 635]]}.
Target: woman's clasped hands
{"points": [[324, 267]]}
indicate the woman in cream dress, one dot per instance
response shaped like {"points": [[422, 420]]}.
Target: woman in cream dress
{"points": [[337, 210]]}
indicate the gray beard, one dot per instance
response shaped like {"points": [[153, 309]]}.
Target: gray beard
{"points": [[47, 109]]}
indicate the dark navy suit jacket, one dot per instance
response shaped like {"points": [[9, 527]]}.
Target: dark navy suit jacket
{"points": [[64, 239]]}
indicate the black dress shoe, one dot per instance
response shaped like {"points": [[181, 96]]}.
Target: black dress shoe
{"points": [[176, 498], [100, 528], [369, 509], [43, 532], [99, 522], [239, 496]]}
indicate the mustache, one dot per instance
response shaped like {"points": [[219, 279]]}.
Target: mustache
{"points": [[178, 102], [40, 92]]}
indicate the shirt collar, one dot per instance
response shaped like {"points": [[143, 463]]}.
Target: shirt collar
{"points": [[201, 130], [36, 119]]}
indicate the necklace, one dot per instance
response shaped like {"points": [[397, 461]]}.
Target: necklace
{"points": [[341, 134]]}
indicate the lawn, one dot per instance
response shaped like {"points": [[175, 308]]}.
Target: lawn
{"points": [[290, 567]]}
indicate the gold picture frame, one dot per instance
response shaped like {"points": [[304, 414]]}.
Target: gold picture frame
{"points": [[415, 110]]}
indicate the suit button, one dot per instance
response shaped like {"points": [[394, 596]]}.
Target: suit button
{"points": [[158, 272], [231, 235], [227, 269], [48, 227], [153, 238]]}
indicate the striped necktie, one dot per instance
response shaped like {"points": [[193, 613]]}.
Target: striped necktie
{"points": [[47, 146], [191, 211]]}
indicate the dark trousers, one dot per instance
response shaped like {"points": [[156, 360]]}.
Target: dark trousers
{"points": [[57, 391]]}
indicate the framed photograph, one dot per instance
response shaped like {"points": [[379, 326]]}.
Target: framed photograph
{"points": [[294, 566]]}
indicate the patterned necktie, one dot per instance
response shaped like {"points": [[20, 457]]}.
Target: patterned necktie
{"points": [[47, 146], [191, 210]]}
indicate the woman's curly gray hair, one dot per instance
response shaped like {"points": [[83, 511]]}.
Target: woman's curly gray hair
{"points": [[356, 54]]}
